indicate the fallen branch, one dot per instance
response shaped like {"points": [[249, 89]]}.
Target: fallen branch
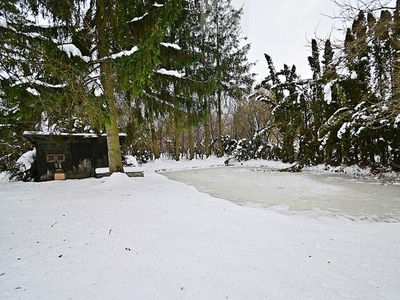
{"points": [[296, 167], [395, 167]]}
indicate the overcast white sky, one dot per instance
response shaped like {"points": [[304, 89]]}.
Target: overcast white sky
{"points": [[283, 30]]}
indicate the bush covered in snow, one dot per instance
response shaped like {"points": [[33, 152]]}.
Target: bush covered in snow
{"points": [[257, 147], [24, 168]]}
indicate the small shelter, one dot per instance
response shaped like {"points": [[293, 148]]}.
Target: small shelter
{"points": [[68, 156]]}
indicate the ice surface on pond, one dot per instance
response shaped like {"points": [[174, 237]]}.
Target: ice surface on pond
{"points": [[297, 192]]}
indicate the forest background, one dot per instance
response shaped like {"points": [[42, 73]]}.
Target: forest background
{"points": [[174, 76]]}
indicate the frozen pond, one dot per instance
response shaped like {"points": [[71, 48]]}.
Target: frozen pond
{"points": [[297, 192]]}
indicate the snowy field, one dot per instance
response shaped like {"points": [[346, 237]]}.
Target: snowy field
{"points": [[154, 238]]}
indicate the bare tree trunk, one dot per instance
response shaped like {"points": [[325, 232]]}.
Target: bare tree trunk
{"points": [[154, 136], [114, 149], [207, 139], [396, 63], [219, 86], [191, 144], [220, 145], [154, 142], [177, 136], [206, 124], [177, 152]]}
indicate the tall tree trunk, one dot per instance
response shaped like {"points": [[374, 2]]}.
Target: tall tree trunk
{"points": [[114, 149], [113, 144], [206, 124], [191, 143], [154, 135], [220, 133], [154, 142], [190, 121], [219, 86], [177, 136], [207, 139], [396, 63]]}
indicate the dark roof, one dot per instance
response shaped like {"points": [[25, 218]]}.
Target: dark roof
{"points": [[34, 136]]}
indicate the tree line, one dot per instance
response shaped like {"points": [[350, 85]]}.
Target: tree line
{"points": [[119, 66], [174, 75], [349, 111]]}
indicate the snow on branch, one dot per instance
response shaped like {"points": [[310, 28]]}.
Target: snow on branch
{"points": [[170, 73], [3, 22], [161, 101], [32, 80], [169, 45], [137, 19], [397, 120], [32, 91], [94, 83], [72, 50], [328, 92], [124, 53], [4, 75], [343, 130]]}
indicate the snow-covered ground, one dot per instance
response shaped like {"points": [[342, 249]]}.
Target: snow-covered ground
{"points": [[154, 238]]}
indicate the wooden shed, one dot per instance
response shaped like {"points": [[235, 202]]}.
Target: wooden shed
{"points": [[68, 156]]}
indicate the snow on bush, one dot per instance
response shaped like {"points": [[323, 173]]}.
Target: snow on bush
{"points": [[24, 163], [3, 22], [343, 130], [328, 93], [118, 179], [4, 176], [131, 161], [397, 121]]}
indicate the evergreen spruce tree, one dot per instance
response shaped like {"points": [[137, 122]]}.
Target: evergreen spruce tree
{"points": [[230, 69], [91, 54], [177, 89]]}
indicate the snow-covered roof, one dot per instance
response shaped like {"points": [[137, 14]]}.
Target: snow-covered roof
{"points": [[30, 134]]}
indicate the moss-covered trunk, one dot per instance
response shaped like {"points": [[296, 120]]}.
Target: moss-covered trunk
{"points": [[111, 124]]}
